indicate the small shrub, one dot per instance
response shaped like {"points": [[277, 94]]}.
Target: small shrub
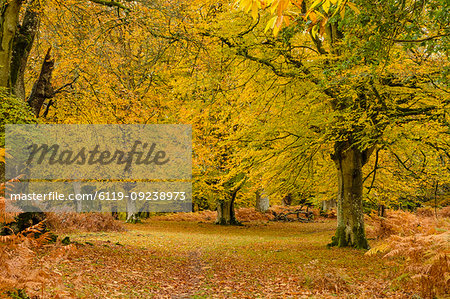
{"points": [[13, 111], [242, 214], [332, 214], [400, 223], [92, 222], [251, 214], [201, 216]]}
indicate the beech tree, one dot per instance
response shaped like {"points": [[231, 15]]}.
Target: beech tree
{"points": [[132, 67], [376, 67], [19, 24], [273, 94]]}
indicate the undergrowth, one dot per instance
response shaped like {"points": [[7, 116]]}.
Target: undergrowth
{"points": [[422, 242], [242, 214], [89, 222], [27, 262]]}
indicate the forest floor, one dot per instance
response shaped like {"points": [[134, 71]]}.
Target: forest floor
{"points": [[168, 259]]}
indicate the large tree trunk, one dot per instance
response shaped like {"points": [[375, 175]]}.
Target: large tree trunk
{"points": [[23, 42], [225, 211], [9, 17], [350, 218]]}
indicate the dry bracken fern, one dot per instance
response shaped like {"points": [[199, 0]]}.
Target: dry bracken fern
{"points": [[423, 242]]}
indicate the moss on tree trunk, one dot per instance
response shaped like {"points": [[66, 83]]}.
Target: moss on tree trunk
{"points": [[22, 44], [350, 218], [9, 16]]}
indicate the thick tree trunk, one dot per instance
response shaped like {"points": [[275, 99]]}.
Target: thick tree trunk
{"points": [[225, 211], [9, 17], [23, 42], [350, 227]]}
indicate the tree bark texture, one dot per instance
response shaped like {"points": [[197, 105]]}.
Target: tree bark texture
{"points": [[42, 88], [350, 230], [22, 44], [9, 17], [225, 210]]}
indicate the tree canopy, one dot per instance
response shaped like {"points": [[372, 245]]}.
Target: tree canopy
{"points": [[307, 98]]}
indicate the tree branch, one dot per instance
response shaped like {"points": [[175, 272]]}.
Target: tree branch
{"points": [[22, 44], [111, 4], [70, 84], [419, 40], [402, 112], [374, 171], [404, 165], [242, 51]]}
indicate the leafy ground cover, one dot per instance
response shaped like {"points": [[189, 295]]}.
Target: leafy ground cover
{"points": [[202, 260]]}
